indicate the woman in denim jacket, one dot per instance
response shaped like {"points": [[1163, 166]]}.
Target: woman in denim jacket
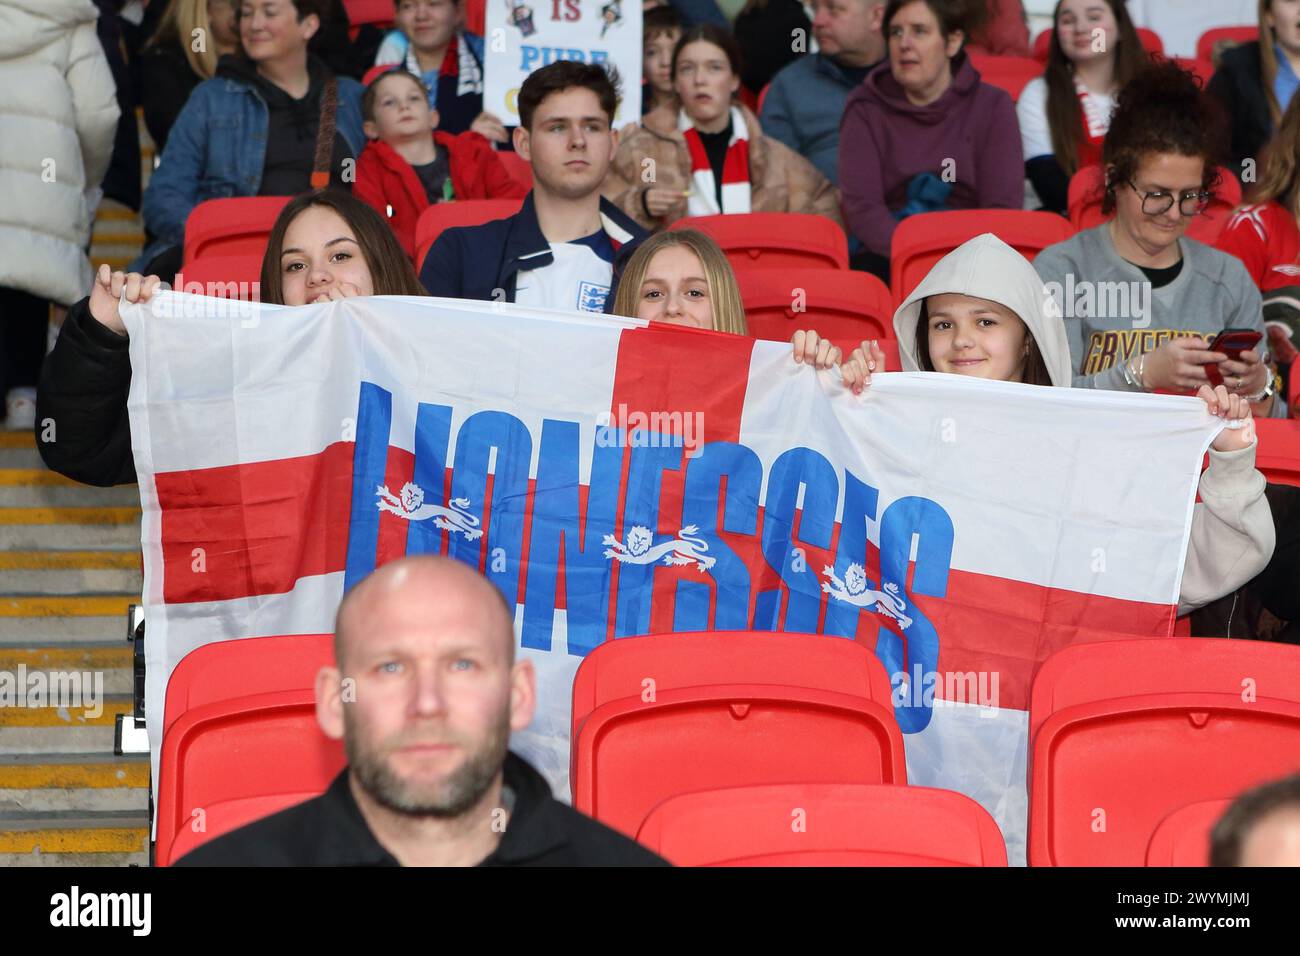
{"points": [[253, 129]]}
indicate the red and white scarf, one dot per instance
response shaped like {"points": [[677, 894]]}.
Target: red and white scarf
{"points": [[1096, 121], [735, 169]]}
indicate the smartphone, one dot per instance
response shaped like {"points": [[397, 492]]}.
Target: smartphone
{"points": [[1231, 342]]}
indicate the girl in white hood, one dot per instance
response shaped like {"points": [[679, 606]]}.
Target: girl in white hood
{"points": [[982, 311]]}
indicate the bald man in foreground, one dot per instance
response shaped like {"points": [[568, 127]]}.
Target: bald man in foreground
{"points": [[424, 695]]}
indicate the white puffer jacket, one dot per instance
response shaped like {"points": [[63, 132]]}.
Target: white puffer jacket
{"points": [[58, 116]]}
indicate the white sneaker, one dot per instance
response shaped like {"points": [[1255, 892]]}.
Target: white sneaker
{"points": [[20, 406]]}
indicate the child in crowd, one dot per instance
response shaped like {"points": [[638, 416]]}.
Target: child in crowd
{"points": [[404, 169], [660, 31]]}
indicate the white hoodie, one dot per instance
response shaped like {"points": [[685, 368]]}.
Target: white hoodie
{"points": [[1232, 527], [58, 117]]}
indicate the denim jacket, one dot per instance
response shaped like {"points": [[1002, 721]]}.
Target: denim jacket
{"points": [[217, 149]]}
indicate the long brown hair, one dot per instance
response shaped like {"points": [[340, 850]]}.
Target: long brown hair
{"points": [[391, 272], [1064, 112], [1268, 61], [724, 294], [1280, 164], [1035, 369]]}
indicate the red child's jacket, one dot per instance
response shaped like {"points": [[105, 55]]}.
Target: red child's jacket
{"points": [[385, 179]]}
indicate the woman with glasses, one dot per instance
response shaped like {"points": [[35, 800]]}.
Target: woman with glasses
{"points": [[1142, 302]]}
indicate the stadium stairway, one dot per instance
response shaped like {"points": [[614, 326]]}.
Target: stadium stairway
{"points": [[69, 568]]}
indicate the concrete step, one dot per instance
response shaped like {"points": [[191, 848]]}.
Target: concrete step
{"points": [[74, 831], [11, 457], [41, 488], [113, 661], [69, 529], [32, 631], [74, 782], [61, 730], [71, 572], [64, 605], [71, 860]]}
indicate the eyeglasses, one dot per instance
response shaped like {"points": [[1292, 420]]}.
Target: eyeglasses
{"points": [[1158, 202]]}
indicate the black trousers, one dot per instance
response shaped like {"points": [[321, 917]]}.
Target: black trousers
{"points": [[24, 324]]}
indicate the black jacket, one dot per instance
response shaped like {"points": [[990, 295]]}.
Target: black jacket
{"points": [[330, 831], [82, 391], [167, 80], [471, 262], [1239, 85]]}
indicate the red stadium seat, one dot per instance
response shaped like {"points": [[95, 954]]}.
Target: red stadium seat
{"points": [[475, 16], [1149, 39], [361, 12], [1122, 732], [762, 95], [240, 738], [1202, 69], [1183, 837], [842, 825], [231, 227], [1087, 190], [1278, 454], [461, 212], [224, 277], [923, 239], [1208, 46], [774, 240], [518, 167], [845, 307], [726, 709], [1010, 73]]}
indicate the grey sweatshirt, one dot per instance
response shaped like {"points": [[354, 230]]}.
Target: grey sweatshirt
{"points": [[1232, 533], [1111, 313]]}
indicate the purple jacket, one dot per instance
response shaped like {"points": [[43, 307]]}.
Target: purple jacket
{"points": [[885, 141]]}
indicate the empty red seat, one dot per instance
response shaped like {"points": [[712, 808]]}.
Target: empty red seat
{"points": [[1208, 45], [726, 709], [843, 306], [1123, 732], [1183, 837], [231, 227], [923, 239], [240, 738], [1087, 190], [223, 277], [461, 212], [380, 13], [774, 240], [1278, 454], [1149, 39], [810, 824], [1010, 73]]}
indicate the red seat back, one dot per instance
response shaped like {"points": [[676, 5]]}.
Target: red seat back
{"points": [[519, 168], [1087, 190], [843, 306], [231, 227], [1010, 73], [1149, 39], [1278, 455], [360, 12], [774, 240], [811, 824], [923, 239], [224, 277], [1183, 837], [461, 212], [1124, 731], [240, 738], [726, 709], [1208, 45]]}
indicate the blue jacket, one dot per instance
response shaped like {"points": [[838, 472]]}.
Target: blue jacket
{"points": [[803, 108], [471, 262], [217, 149]]}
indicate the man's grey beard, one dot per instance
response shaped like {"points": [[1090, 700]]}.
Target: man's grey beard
{"points": [[454, 797]]}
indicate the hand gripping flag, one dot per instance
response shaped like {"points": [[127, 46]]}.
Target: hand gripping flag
{"points": [[615, 479]]}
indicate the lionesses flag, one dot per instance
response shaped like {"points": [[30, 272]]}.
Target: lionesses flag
{"points": [[615, 479]]}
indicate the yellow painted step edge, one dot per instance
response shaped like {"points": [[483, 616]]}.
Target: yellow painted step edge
{"points": [[66, 658], [54, 605], [73, 516], [93, 840], [14, 717], [33, 477], [22, 439], [69, 560], [73, 776]]}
